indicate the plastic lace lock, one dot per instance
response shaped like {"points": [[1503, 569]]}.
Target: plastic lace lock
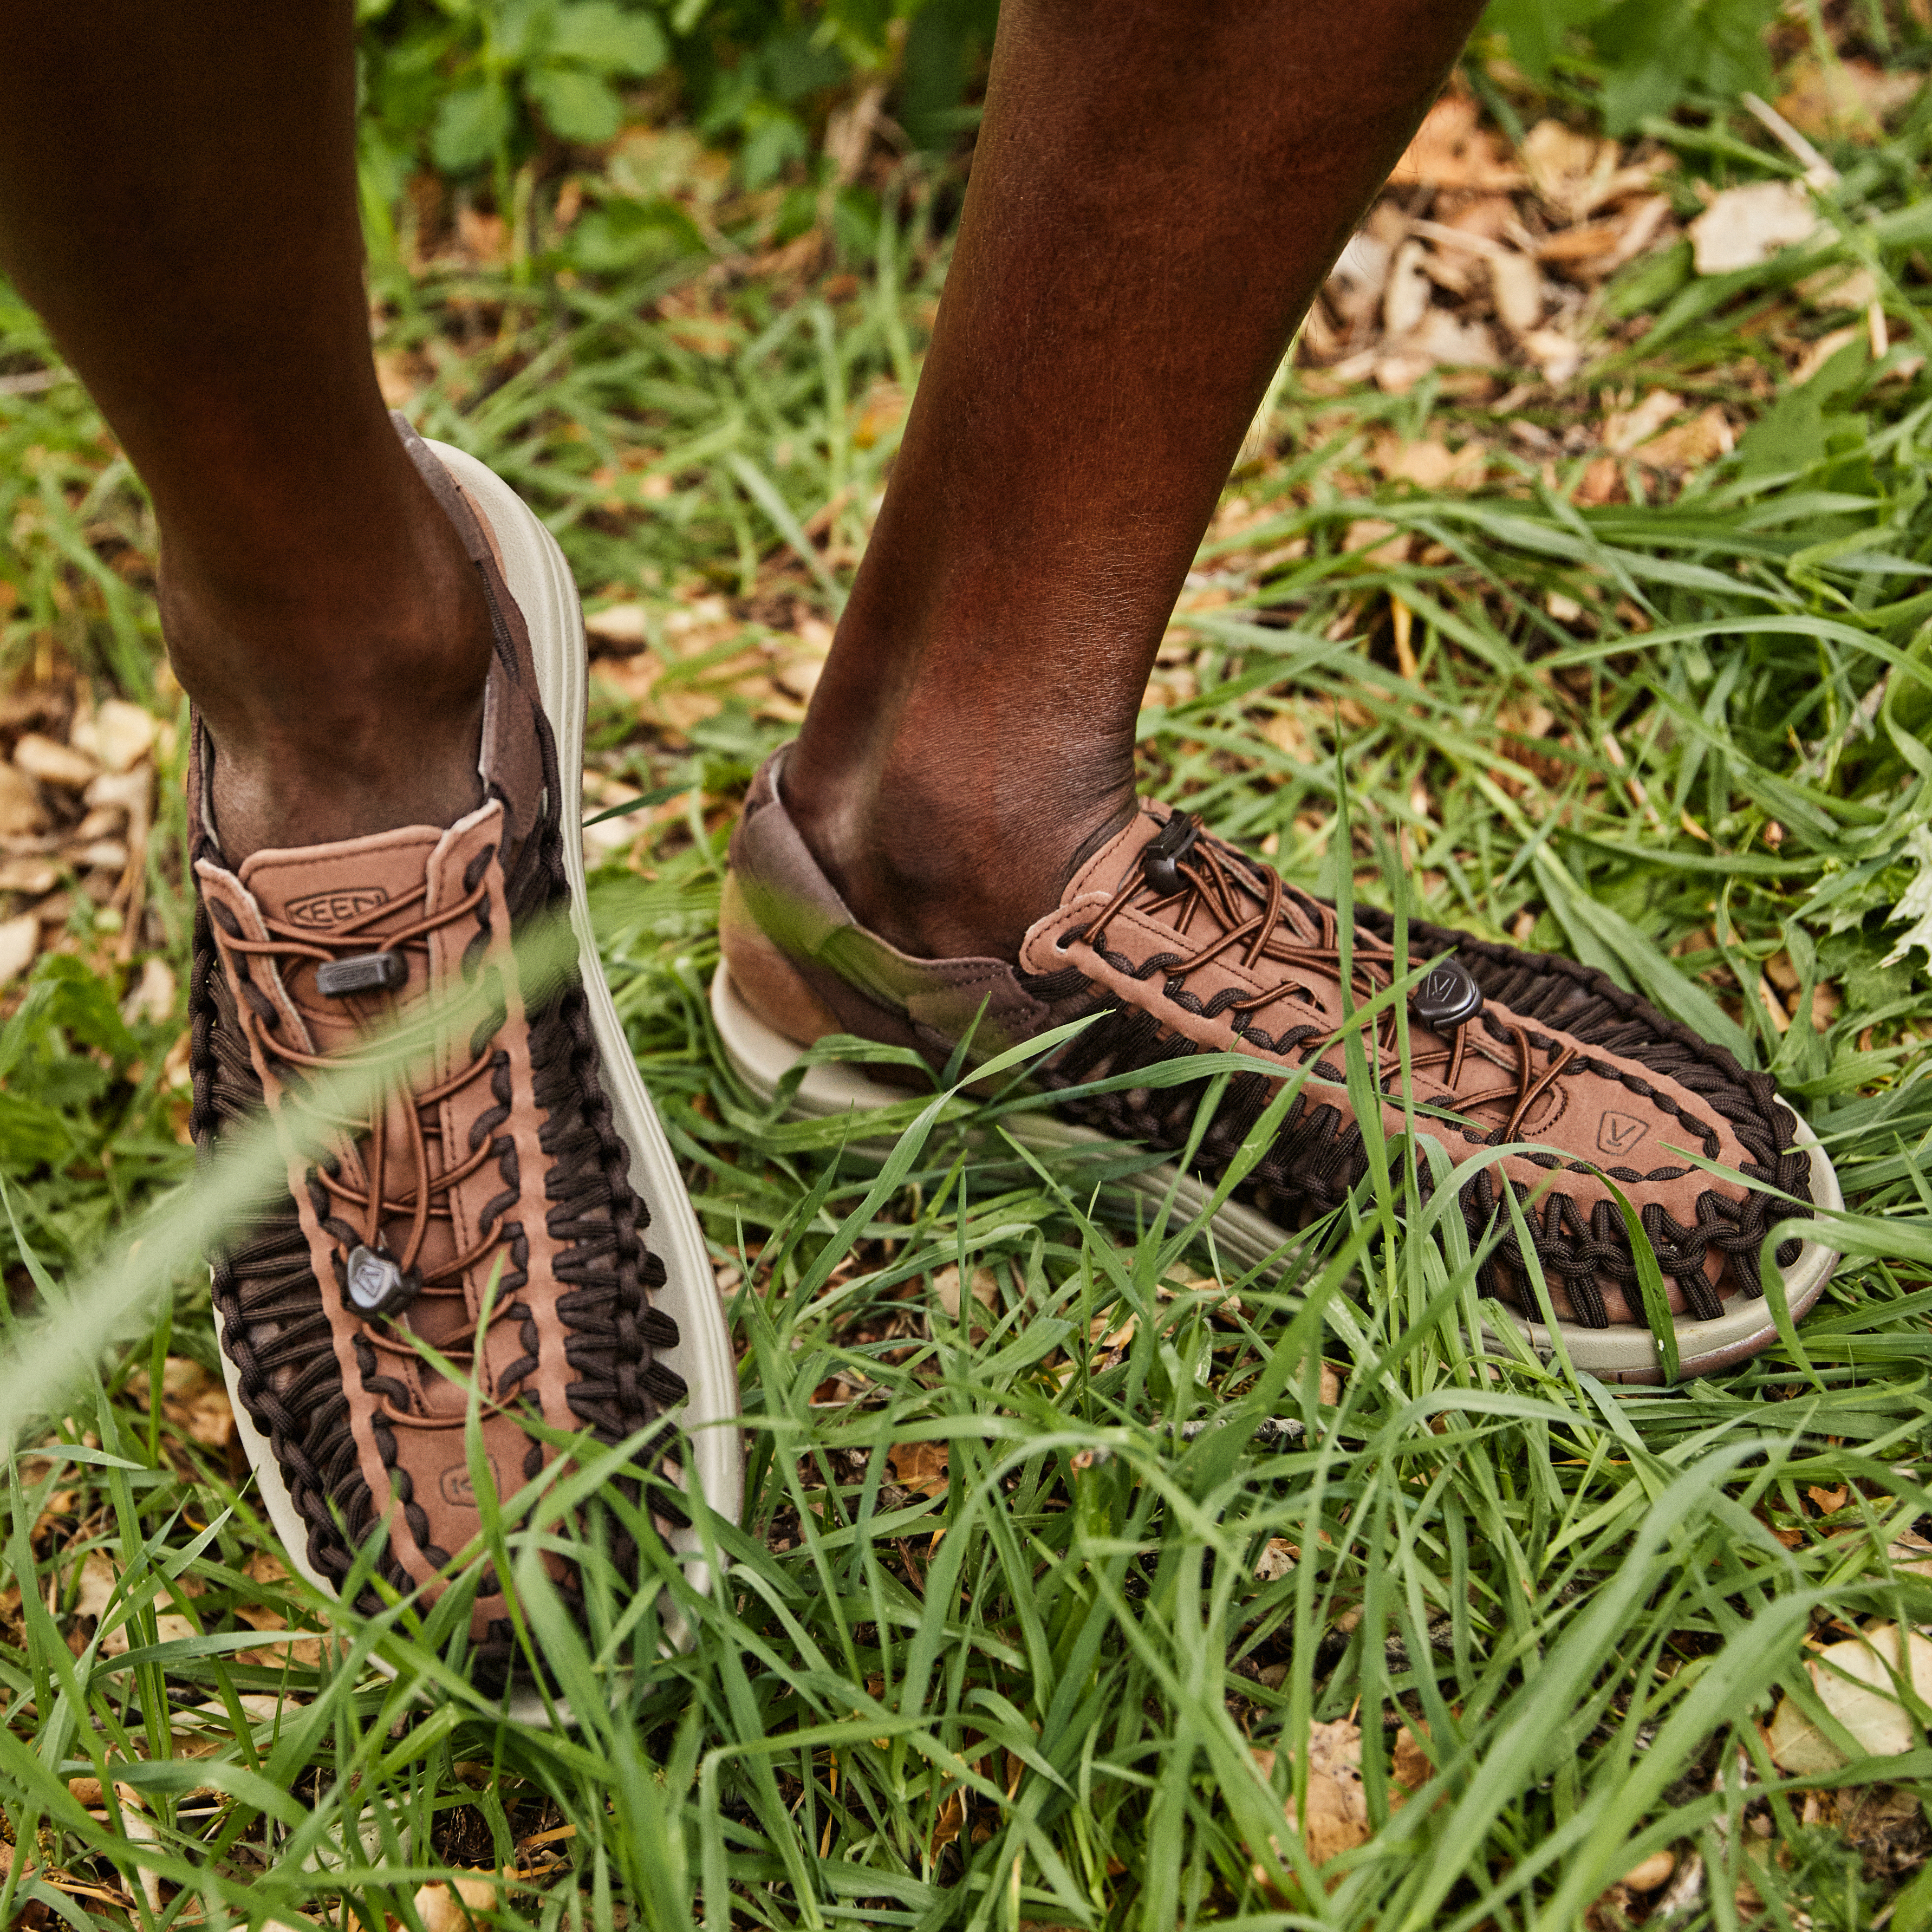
{"points": [[1161, 855], [375, 1284], [1448, 998], [362, 973]]}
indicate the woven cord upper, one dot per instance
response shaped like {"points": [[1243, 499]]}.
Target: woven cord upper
{"points": [[1318, 1155], [274, 1326]]}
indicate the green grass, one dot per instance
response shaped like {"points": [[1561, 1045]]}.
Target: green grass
{"points": [[1582, 1602]]}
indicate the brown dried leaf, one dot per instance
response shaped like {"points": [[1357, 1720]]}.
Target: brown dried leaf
{"points": [[118, 735], [484, 238], [1818, 353], [1284, 730], [1652, 1872], [1557, 356], [1275, 1560], [1845, 99], [1356, 282], [1625, 429], [22, 812], [1450, 150], [1431, 465], [946, 1828], [1569, 170], [1379, 542], [1745, 226], [625, 625], [1337, 1814], [946, 1289], [40, 758], [450, 1907], [1603, 481], [19, 939], [919, 1465], [1842, 285], [1519, 291], [1690, 445], [1410, 1764], [1446, 339], [1858, 1692], [1406, 297]]}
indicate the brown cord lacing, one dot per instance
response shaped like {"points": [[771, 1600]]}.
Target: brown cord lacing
{"points": [[378, 1203], [1212, 887]]}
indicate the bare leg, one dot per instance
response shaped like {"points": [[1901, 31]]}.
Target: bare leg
{"points": [[1157, 192], [177, 198]]}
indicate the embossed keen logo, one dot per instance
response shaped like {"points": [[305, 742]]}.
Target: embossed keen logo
{"points": [[324, 909], [1617, 1133], [457, 1487]]}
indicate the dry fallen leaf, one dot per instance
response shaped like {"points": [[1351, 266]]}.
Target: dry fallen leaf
{"points": [[1450, 150], [1407, 294], [1285, 730], [1445, 339], [152, 998], [1337, 1814], [450, 1907], [1842, 285], [192, 1401], [946, 1827], [19, 938], [946, 1289], [1356, 282], [1379, 542], [1570, 171], [919, 1465], [1519, 291], [1409, 1763], [625, 624], [1822, 351], [1557, 356], [99, 1581], [1625, 429], [1745, 226], [119, 736], [1431, 465], [1706, 437], [1276, 1561], [1859, 1692], [21, 812], [1850, 98], [41, 757]]}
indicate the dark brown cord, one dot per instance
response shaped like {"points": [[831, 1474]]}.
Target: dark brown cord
{"points": [[1318, 1155]]}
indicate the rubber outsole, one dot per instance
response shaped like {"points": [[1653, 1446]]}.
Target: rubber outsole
{"points": [[762, 1056], [539, 579]]}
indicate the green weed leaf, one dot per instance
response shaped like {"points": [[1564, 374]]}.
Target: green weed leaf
{"points": [[609, 39]]}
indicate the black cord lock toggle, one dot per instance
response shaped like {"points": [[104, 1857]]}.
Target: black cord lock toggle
{"points": [[1447, 996], [375, 1283], [362, 973], [1161, 855]]}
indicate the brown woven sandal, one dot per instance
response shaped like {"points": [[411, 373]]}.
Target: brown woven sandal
{"points": [[519, 1155], [1172, 943]]}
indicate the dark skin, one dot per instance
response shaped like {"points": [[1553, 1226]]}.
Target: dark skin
{"points": [[177, 198], [1157, 192], [1152, 209]]}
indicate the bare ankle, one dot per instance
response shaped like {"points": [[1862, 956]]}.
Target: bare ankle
{"points": [[334, 718], [942, 863], [291, 794]]}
